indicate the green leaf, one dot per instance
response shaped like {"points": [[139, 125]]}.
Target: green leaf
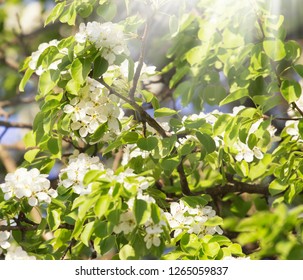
{"points": [[164, 112], [80, 70], [170, 163], [28, 73], [299, 69], [155, 213], [54, 146], [232, 39], [87, 232], [180, 73], [182, 89], [55, 13], [190, 244], [107, 244], [78, 228], [53, 218], [29, 139], [48, 80], [291, 90], [141, 211], [213, 95], [300, 127], [69, 15], [92, 176], [50, 105], [102, 205], [73, 87], [195, 201], [173, 25], [112, 146], [293, 50], [211, 249], [221, 240], [236, 95], [221, 123], [108, 11], [214, 221], [276, 187], [84, 10], [147, 144], [148, 96], [130, 137], [196, 55], [101, 228], [208, 143], [100, 67], [274, 49], [30, 155], [127, 253]]}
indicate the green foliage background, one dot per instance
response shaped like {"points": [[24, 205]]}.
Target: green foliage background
{"points": [[209, 53]]}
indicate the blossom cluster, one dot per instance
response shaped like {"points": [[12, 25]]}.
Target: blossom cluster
{"points": [[28, 184], [242, 150], [108, 37], [120, 74], [36, 55], [73, 175], [92, 108], [4, 237], [183, 218], [17, 253], [152, 231]]}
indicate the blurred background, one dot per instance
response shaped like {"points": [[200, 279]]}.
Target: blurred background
{"points": [[22, 30]]}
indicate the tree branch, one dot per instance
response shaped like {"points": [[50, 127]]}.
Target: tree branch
{"points": [[297, 108], [183, 180], [30, 228], [140, 64], [15, 125], [144, 116], [235, 187]]}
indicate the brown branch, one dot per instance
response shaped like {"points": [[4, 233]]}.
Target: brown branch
{"points": [[140, 64], [15, 125], [68, 248], [31, 227], [297, 108], [183, 180], [235, 187], [144, 116]]}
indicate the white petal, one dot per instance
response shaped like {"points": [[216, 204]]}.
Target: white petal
{"points": [[249, 156], [32, 201]]}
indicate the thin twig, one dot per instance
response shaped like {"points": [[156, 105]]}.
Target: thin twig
{"points": [[68, 248], [140, 63], [297, 108], [15, 125]]}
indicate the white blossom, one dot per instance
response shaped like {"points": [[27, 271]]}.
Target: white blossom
{"points": [[292, 129], [244, 152], [182, 218], [36, 55], [17, 253], [73, 175], [108, 37], [4, 236], [30, 184], [126, 224], [92, 108]]}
